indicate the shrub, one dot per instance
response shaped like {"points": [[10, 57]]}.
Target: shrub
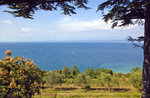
{"points": [[136, 78], [19, 77], [53, 78], [74, 71], [108, 80], [82, 80], [66, 72], [90, 72]]}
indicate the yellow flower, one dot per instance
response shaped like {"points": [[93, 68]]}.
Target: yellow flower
{"points": [[8, 52], [12, 84], [19, 58], [1, 71], [4, 63], [11, 73], [31, 64], [39, 76], [4, 89], [27, 62], [14, 61], [1, 62], [36, 84], [11, 60], [7, 58]]}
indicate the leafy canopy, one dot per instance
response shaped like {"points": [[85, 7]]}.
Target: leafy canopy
{"points": [[27, 8], [19, 78], [124, 12], [136, 78]]}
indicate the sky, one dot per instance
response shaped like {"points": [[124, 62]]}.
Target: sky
{"points": [[86, 25]]}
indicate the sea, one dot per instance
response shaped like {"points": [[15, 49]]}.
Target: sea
{"points": [[117, 56]]}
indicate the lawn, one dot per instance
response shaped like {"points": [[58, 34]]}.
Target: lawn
{"points": [[97, 92]]}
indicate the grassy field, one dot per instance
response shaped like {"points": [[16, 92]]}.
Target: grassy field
{"points": [[94, 92]]}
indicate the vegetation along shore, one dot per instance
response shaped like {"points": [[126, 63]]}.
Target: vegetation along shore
{"points": [[20, 77]]}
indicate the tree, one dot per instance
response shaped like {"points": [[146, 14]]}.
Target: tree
{"points": [[136, 78], [126, 12], [82, 80], [74, 71], [107, 71], [19, 78], [108, 80], [53, 78], [27, 8], [66, 72], [89, 72]]}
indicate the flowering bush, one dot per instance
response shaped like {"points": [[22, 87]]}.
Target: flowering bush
{"points": [[19, 77]]}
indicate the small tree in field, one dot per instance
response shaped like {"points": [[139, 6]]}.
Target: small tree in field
{"points": [[82, 80], [90, 72], [66, 72], [136, 78], [19, 77], [108, 80], [74, 71], [53, 78]]}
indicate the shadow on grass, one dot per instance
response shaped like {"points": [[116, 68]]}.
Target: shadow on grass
{"points": [[60, 88], [113, 89], [65, 89], [92, 89]]}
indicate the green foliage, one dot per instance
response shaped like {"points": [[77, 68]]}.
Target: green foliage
{"points": [[92, 73], [89, 72], [82, 80], [124, 12], [136, 42], [66, 72], [74, 71], [115, 80], [94, 82], [68, 81], [108, 80], [27, 8], [96, 73], [107, 71], [136, 78], [19, 77], [53, 78], [123, 78]]}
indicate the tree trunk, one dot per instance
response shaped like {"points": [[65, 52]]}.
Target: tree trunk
{"points": [[109, 87], [146, 62]]}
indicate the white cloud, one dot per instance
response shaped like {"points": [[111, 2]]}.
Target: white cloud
{"points": [[7, 22], [70, 25], [27, 29]]}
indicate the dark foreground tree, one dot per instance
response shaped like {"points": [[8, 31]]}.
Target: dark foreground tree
{"points": [[27, 8], [126, 12], [119, 12]]}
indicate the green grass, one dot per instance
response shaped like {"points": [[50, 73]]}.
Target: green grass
{"points": [[82, 93]]}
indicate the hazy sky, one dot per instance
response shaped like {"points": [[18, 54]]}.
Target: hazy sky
{"points": [[86, 25]]}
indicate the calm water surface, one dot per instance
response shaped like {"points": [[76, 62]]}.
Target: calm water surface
{"points": [[120, 57]]}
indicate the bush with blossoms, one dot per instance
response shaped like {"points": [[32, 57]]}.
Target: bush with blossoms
{"points": [[19, 77]]}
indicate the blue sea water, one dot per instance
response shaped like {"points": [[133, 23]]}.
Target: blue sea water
{"points": [[120, 57]]}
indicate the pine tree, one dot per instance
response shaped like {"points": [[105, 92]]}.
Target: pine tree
{"points": [[131, 12]]}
